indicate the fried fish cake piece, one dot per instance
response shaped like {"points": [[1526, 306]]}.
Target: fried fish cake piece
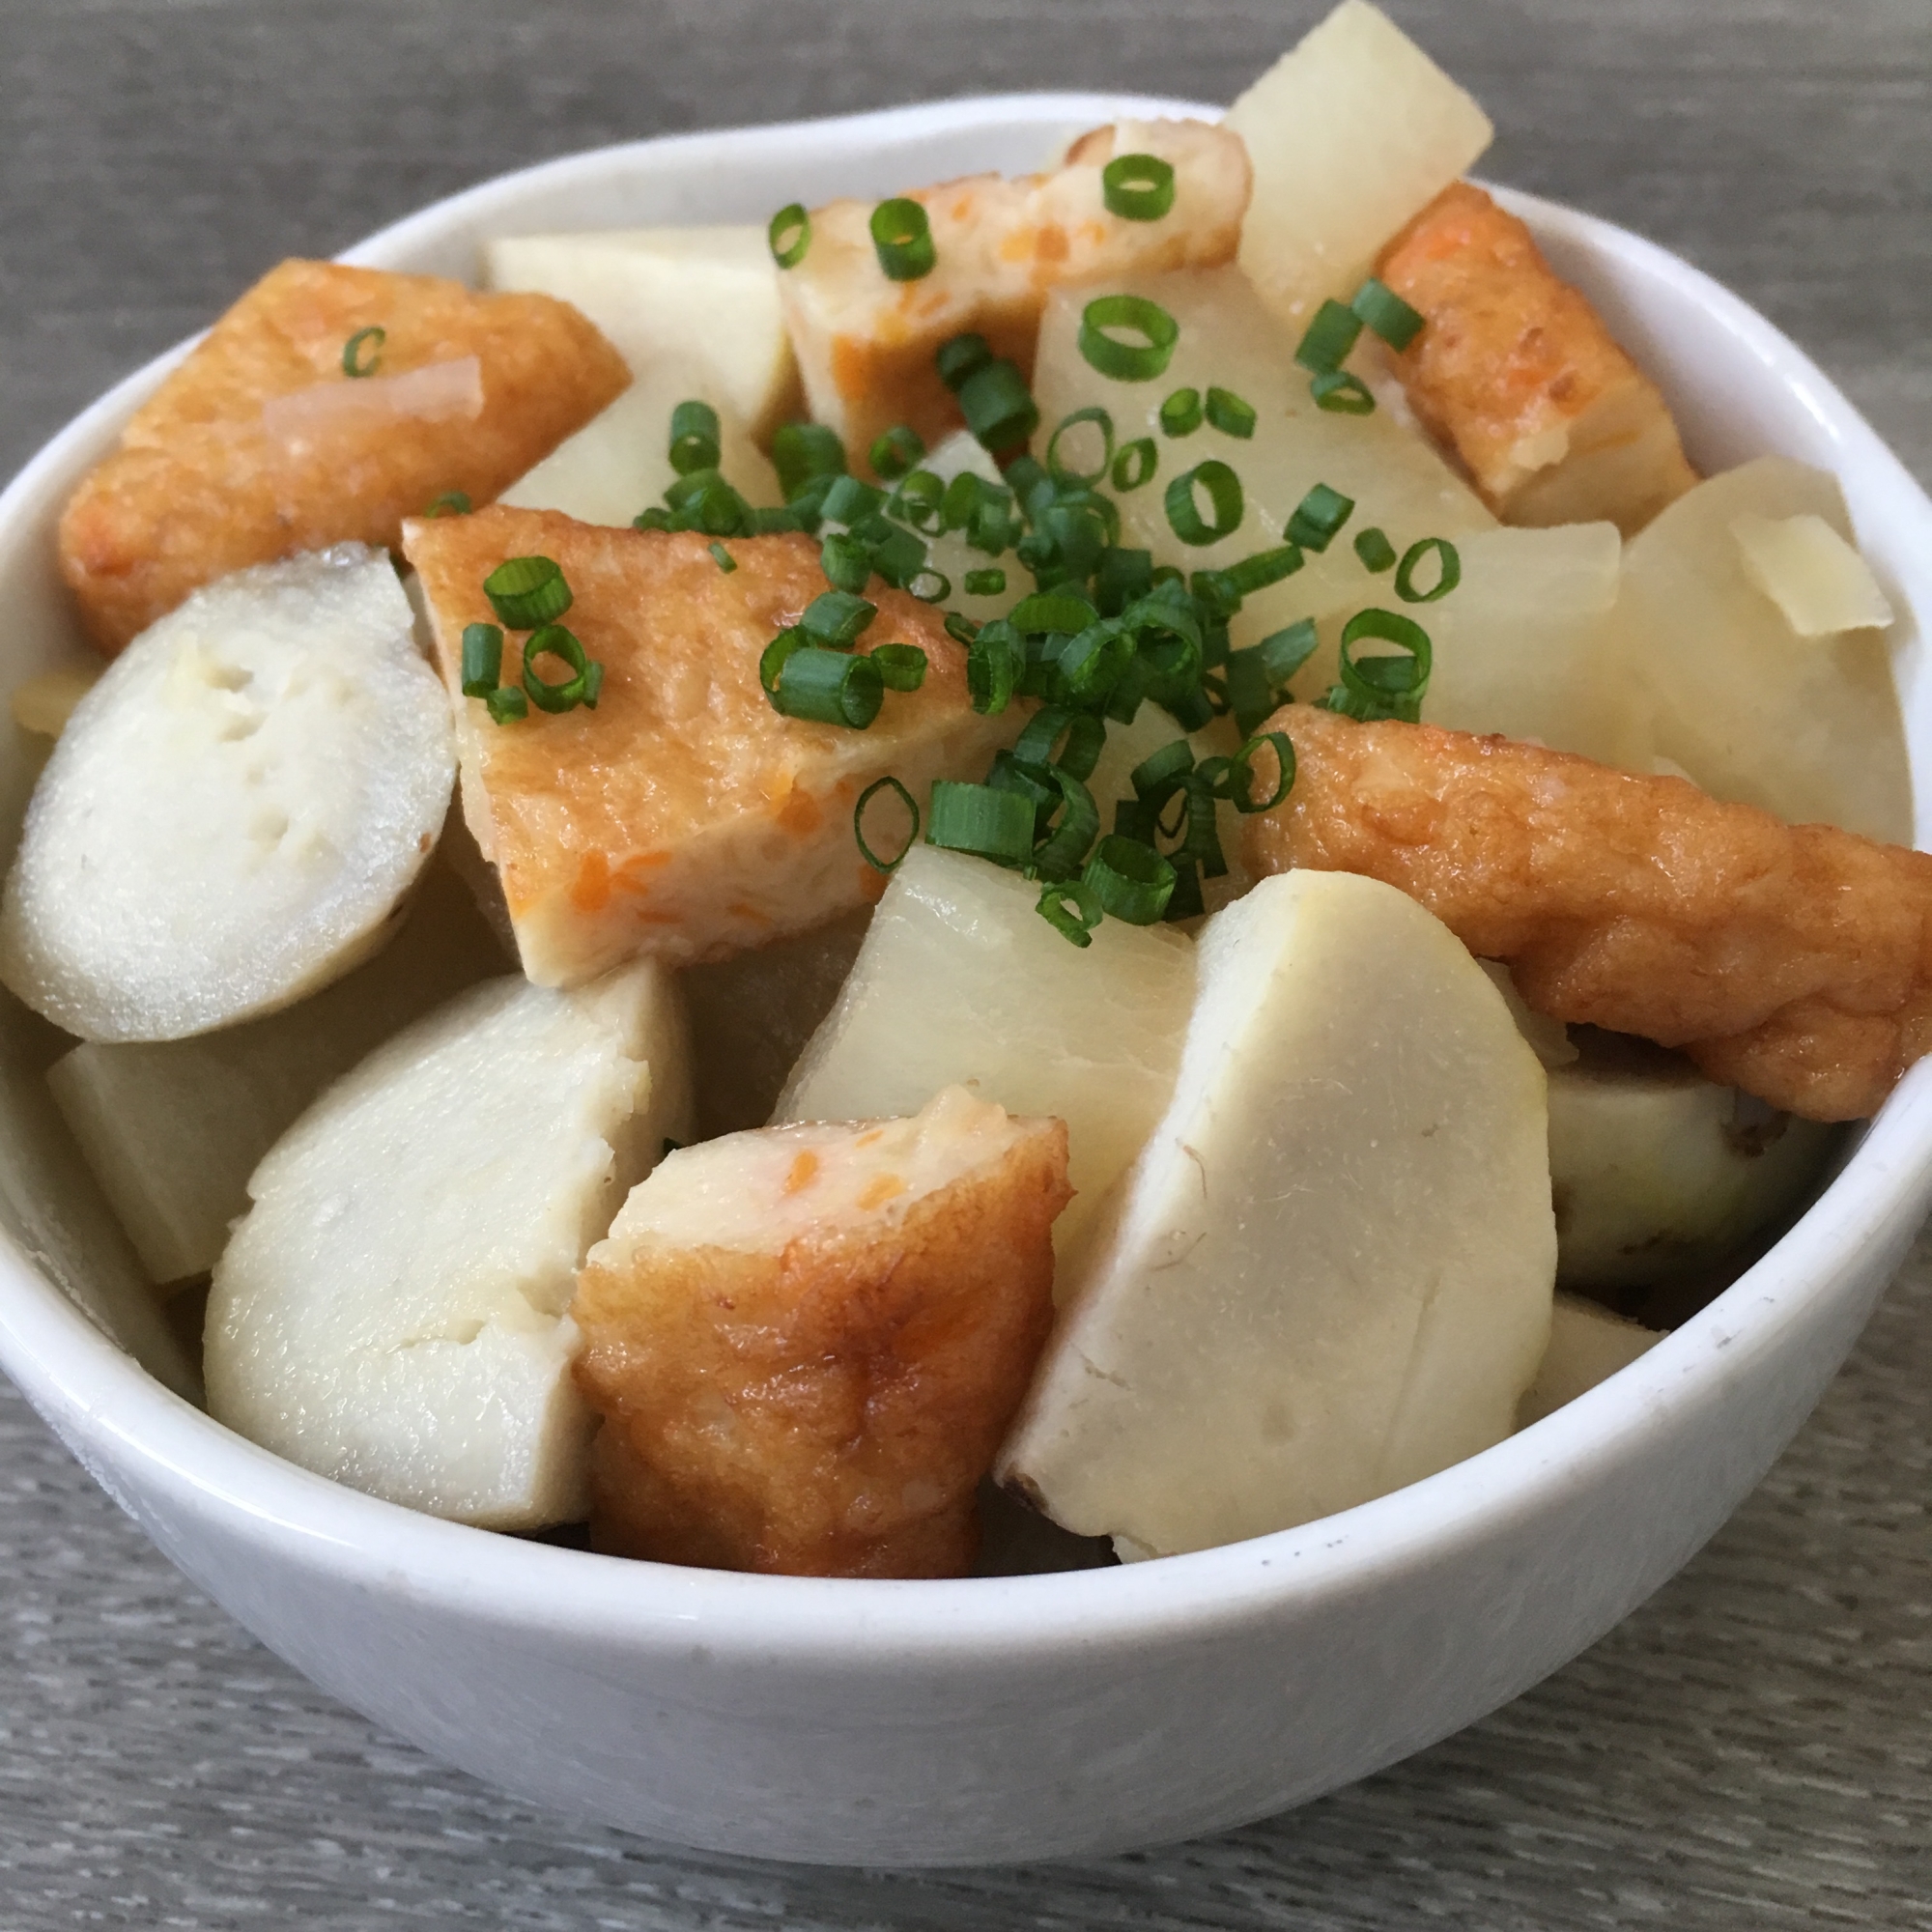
{"points": [[806, 1341], [1517, 372], [1793, 961], [684, 817], [865, 343], [261, 445]]}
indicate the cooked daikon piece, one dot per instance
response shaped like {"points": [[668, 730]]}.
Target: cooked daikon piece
{"points": [[329, 404], [865, 343], [1807, 728], [1350, 132], [684, 817], [1517, 373], [1329, 1271], [1812, 573], [961, 981], [805, 1343], [235, 812], [173, 1128], [392, 1310], [1587, 1346]]}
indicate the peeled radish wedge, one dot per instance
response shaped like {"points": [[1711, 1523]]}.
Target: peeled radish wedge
{"points": [[1587, 1346], [234, 813], [1812, 573], [391, 1311], [1329, 1273]]}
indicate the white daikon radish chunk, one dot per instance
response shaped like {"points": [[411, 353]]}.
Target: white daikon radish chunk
{"points": [[1587, 1346], [1548, 1039], [234, 811], [1812, 573], [392, 1311], [1807, 728], [1228, 339], [1656, 1171], [173, 1128], [1350, 132], [1329, 1273], [961, 981]]}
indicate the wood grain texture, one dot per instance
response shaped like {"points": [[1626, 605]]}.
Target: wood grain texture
{"points": [[1749, 1751]]}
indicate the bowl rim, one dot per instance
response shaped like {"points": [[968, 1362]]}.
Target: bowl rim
{"points": [[97, 1395]]}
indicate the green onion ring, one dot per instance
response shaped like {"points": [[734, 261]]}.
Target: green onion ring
{"points": [[1063, 851], [789, 235], [826, 686], [902, 666], [552, 641], [1135, 464], [1127, 362], [771, 659], [352, 363], [507, 704], [928, 586], [1224, 494], [1341, 395], [482, 660], [920, 500], [1130, 879], [1231, 415], [995, 659], [985, 582], [894, 451], [1402, 685], [1237, 786], [1329, 337], [1450, 560], [1085, 479], [527, 592], [1374, 550], [1085, 736], [802, 452], [1138, 187], [1387, 314], [836, 619], [722, 557], [959, 357], [846, 561], [866, 798], [981, 820], [1078, 924], [903, 238], [694, 436], [998, 406], [1157, 772], [1181, 414]]}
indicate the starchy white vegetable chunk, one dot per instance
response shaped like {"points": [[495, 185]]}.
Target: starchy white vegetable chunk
{"points": [[235, 811], [961, 981], [1350, 133], [173, 1128], [391, 1313], [1655, 1171], [1812, 573], [1587, 1346], [1329, 1273]]}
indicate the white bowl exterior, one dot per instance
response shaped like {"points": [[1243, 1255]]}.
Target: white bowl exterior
{"points": [[995, 1720]]}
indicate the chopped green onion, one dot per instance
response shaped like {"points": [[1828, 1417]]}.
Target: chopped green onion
{"points": [[802, 452], [1157, 772], [898, 556], [1122, 576], [1230, 414], [846, 561], [1224, 496], [928, 586], [722, 557], [1127, 362], [1239, 784], [353, 361], [995, 658], [959, 357], [1387, 686], [903, 238], [981, 820], [1186, 902], [655, 518], [1263, 568], [771, 659], [902, 666], [1060, 854], [703, 500], [826, 686], [1135, 464], [1052, 610], [1449, 566], [998, 406], [896, 452], [506, 705], [552, 641], [960, 628], [846, 501], [1374, 550], [1387, 314], [1258, 677], [694, 436], [1329, 337], [1138, 187], [921, 501], [1341, 395], [1180, 414], [1072, 908], [526, 591], [985, 582], [866, 798], [451, 503], [482, 660], [1317, 517], [1130, 879], [1063, 472], [789, 235], [837, 619], [1085, 736], [593, 684]]}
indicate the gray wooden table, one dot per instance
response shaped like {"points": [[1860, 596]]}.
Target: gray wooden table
{"points": [[1749, 1751]]}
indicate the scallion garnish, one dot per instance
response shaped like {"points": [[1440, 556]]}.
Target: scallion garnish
{"points": [[1121, 576], [804, 452], [1329, 337], [1127, 362], [1258, 677], [981, 819], [921, 501], [703, 500], [655, 518], [1374, 550], [451, 503], [998, 406], [1230, 414], [1138, 187], [353, 362], [1135, 464], [846, 561], [482, 660], [894, 451], [1318, 516], [1072, 908], [722, 557], [1059, 611], [789, 235], [898, 556], [772, 659], [1387, 314], [829, 687], [1063, 852], [1181, 414], [866, 798], [836, 619], [1341, 395], [1085, 735], [1224, 496], [1449, 570], [901, 666], [527, 592], [995, 658], [1265, 567], [1155, 775], [928, 586], [694, 436], [985, 582], [903, 238], [1063, 472], [1237, 783], [552, 641], [959, 357], [1387, 686], [507, 704], [1130, 879]]}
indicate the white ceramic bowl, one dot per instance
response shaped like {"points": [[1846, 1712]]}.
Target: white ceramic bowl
{"points": [[936, 1723]]}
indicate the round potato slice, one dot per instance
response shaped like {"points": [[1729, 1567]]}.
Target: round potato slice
{"points": [[235, 810]]}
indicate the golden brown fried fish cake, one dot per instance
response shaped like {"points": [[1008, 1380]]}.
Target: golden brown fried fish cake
{"points": [[1793, 961]]}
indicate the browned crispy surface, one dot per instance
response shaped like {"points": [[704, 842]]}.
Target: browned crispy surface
{"points": [[830, 1409], [684, 817], [1517, 373], [1794, 961], [198, 488]]}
